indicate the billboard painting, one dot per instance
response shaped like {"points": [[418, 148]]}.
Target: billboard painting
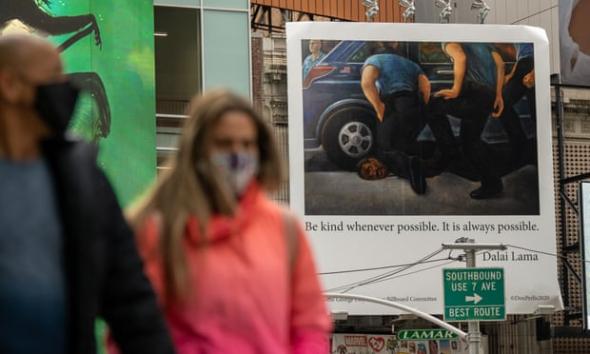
{"points": [[375, 123], [406, 136]]}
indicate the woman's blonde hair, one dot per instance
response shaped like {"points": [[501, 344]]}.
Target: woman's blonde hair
{"points": [[191, 187]]}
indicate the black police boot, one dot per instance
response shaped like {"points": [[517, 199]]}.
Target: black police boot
{"points": [[417, 179]]}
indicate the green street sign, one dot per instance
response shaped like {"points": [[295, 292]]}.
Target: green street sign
{"points": [[425, 334], [474, 294]]}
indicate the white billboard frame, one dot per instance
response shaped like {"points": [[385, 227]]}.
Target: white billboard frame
{"points": [[336, 250]]}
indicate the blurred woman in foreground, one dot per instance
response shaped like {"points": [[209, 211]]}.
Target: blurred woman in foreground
{"points": [[233, 270]]}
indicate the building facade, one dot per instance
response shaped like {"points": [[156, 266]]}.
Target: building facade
{"points": [[560, 333]]}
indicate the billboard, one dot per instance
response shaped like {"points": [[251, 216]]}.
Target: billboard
{"points": [[108, 50], [363, 344], [355, 343], [406, 136], [574, 42]]}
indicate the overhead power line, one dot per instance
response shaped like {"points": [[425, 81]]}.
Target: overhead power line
{"points": [[379, 268], [351, 286]]}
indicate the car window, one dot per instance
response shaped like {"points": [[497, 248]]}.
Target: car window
{"points": [[326, 46], [432, 53], [399, 48], [361, 55]]}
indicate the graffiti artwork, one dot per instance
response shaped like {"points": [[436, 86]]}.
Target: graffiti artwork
{"points": [[115, 70], [35, 16]]}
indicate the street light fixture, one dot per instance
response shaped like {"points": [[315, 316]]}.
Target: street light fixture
{"points": [[447, 10], [372, 8], [483, 8], [410, 9]]}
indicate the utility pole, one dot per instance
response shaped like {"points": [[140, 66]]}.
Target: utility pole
{"points": [[471, 248]]}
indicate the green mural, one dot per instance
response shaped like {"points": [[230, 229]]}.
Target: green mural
{"points": [[108, 49]]}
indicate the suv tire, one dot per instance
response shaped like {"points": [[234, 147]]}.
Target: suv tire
{"points": [[349, 135]]}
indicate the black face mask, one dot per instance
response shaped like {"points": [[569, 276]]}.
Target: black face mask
{"points": [[55, 104]]}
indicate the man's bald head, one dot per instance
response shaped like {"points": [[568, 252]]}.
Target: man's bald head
{"points": [[22, 51], [26, 62]]}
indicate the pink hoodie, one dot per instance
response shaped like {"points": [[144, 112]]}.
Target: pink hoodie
{"points": [[245, 297]]}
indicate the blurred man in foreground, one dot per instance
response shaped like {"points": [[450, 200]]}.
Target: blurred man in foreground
{"points": [[66, 253]]}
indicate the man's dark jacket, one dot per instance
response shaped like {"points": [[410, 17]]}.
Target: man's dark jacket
{"points": [[103, 269]]}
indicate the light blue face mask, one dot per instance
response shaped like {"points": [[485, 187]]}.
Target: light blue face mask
{"points": [[238, 169]]}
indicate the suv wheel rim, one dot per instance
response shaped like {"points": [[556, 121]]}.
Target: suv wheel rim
{"points": [[355, 139]]}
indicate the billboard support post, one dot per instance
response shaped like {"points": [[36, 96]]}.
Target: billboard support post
{"points": [[470, 248], [565, 268], [561, 176], [474, 335]]}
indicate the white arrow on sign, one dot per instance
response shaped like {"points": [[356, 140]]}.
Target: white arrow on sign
{"points": [[475, 298]]}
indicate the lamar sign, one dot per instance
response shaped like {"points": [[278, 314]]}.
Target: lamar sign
{"points": [[425, 334]]}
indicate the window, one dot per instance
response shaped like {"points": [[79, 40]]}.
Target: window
{"points": [[178, 71], [432, 53], [178, 64], [361, 55]]}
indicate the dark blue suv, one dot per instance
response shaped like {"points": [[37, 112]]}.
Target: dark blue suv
{"points": [[337, 115]]}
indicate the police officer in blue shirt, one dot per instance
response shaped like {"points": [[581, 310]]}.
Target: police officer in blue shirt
{"points": [[404, 89], [518, 83], [478, 76]]}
